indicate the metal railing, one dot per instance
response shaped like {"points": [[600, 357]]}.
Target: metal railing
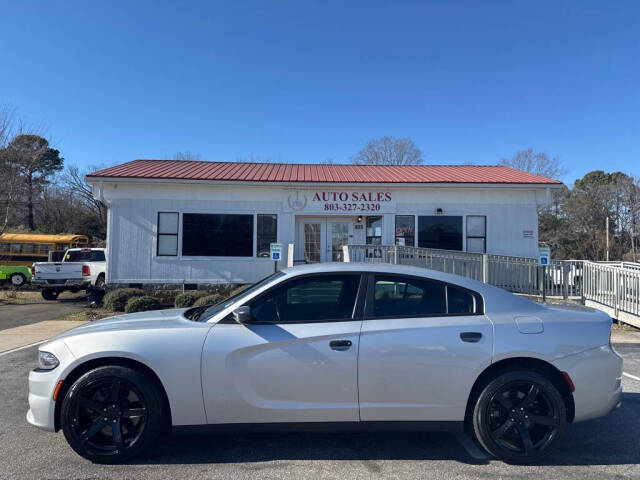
{"points": [[516, 274], [611, 286]]}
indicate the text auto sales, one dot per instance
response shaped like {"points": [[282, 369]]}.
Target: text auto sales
{"points": [[351, 201]]}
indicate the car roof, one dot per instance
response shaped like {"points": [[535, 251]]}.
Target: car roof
{"points": [[384, 268]]}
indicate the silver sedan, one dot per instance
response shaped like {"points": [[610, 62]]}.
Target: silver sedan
{"points": [[337, 346]]}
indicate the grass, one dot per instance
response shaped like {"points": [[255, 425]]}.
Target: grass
{"points": [[89, 315], [17, 297]]}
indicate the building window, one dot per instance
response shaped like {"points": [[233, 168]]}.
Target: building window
{"points": [[267, 234], [217, 235], [437, 231], [374, 230], [405, 230], [167, 245], [476, 234]]}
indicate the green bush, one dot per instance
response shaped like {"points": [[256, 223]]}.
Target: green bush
{"points": [[141, 304], [116, 300], [208, 300], [186, 299]]}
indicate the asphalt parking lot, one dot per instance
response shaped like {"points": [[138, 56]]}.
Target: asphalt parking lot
{"points": [[604, 448]]}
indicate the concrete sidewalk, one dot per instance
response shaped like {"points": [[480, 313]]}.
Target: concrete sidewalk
{"points": [[36, 332]]}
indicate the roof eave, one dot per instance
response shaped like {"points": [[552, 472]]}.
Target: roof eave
{"points": [[295, 184]]}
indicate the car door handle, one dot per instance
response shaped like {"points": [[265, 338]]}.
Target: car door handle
{"points": [[340, 345], [472, 337]]}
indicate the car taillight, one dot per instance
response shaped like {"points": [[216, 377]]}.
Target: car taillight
{"points": [[33, 271], [86, 271]]}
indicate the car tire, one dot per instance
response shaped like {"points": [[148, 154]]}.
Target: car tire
{"points": [[519, 416], [49, 294], [112, 413], [100, 283], [18, 279]]}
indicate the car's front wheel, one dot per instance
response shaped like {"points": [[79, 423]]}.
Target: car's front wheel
{"points": [[112, 414], [519, 416]]}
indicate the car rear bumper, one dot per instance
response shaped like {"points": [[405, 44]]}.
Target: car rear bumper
{"points": [[597, 376], [60, 283]]}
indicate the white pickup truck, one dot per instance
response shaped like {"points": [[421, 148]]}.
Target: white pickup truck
{"points": [[80, 269]]}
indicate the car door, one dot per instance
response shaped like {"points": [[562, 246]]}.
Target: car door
{"points": [[295, 362], [422, 345]]}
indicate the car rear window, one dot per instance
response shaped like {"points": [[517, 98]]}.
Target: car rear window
{"points": [[85, 256], [399, 296]]}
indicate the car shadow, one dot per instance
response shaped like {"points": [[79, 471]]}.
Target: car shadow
{"points": [[611, 440]]}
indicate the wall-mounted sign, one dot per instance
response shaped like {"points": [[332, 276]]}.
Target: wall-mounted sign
{"points": [[341, 202], [527, 233]]}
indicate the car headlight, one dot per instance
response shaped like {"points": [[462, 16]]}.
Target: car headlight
{"points": [[47, 361]]}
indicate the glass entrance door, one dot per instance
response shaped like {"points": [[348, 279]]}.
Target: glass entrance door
{"points": [[321, 239], [312, 235]]}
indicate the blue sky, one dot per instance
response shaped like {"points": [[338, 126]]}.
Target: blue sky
{"points": [[307, 81]]}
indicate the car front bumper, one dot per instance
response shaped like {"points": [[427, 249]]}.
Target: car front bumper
{"points": [[42, 385], [597, 376]]}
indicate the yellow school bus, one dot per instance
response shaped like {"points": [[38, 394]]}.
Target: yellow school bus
{"points": [[26, 248]]}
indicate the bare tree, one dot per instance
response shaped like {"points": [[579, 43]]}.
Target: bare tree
{"points": [[538, 163], [35, 161], [186, 155], [389, 150]]}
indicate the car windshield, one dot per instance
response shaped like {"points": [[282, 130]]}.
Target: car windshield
{"points": [[202, 314]]}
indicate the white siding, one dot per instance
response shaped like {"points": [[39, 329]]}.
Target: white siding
{"points": [[134, 207]]}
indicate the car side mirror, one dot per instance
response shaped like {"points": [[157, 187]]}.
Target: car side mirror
{"points": [[242, 315]]}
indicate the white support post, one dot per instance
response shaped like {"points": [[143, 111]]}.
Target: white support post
{"points": [[290, 255], [345, 253], [485, 268]]}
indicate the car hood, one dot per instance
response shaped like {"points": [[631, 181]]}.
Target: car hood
{"points": [[132, 321]]}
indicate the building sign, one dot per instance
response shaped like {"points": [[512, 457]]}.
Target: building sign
{"points": [[341, 201]]}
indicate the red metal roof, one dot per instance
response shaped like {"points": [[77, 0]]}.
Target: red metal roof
{"points": [[318, 173]]}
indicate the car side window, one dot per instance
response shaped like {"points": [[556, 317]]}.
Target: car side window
{"points": [[403, 296], [460, 301], [309, 299]]}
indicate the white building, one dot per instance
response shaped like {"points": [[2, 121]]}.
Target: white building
{"points": [[212, 222]]}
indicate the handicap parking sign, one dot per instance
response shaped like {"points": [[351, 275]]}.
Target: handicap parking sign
{"points": [[276, 250], [544, 255]]}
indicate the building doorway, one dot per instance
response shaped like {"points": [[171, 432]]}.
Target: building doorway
{"points": [[320, 239]]}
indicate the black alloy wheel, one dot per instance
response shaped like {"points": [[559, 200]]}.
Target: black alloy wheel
{"points": [[519, 417], [111, 414]]}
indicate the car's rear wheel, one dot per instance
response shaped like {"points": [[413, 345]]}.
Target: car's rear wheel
{"points": [[100, 283], [112, 414], [49, 294], [519, 416]]}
